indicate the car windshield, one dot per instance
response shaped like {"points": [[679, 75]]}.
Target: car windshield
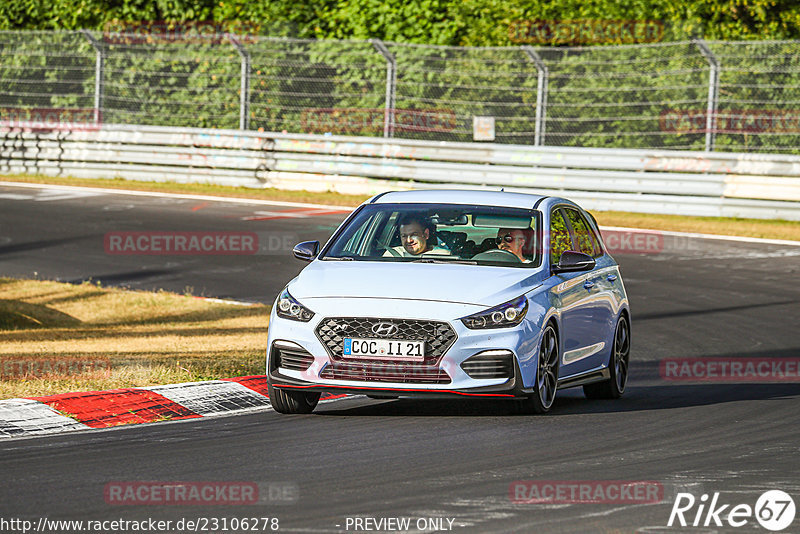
{"points": [[434, 233]]}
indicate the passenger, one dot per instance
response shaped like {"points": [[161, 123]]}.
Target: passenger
{"points": [[512, 240], [415, 239]]}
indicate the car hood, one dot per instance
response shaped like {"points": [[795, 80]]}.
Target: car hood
{"points": [[467, 284]]}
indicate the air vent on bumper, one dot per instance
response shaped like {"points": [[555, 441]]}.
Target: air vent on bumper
{"points": [[385, 372], [489, 364], [288, 355]]}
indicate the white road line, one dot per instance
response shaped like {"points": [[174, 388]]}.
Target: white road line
{"points": [[15, 196], [53, 195], [233, 200], [250, 201], [277, 215], [741, 239], [227, 301]]}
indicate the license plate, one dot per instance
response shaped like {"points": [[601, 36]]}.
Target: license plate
{"points": [[384, 349]]}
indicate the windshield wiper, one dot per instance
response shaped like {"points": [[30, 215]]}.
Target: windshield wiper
{"points": [[430, 260], [339, 258]]}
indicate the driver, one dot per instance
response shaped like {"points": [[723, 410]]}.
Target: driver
{"points": [[415, 239], [512, 240]]}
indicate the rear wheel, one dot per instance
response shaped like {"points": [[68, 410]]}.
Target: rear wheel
{"points": [[546, 376], [614, 387], [292, 402]]}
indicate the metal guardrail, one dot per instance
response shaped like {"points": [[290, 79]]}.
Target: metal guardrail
{"points": [[654, 181]]}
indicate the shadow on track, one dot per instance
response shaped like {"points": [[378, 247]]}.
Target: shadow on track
{"points": [[572, 402]]}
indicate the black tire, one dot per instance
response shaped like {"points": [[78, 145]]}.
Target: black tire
{"points": [[292, 402], [546, 376], [614, 387]]}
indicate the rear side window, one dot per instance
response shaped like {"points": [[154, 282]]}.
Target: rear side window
{"points": [[559, 236], [583, 238], [591, 222]]}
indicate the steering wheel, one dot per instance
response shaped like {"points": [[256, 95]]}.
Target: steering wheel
{"points": [[497, 254]]}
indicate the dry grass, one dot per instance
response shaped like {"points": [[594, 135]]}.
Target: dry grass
{"points": [[677, 223], [121, 338]]}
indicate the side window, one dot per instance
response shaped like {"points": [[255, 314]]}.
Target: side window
{"points": [[598, 246], [559, 236], [583, 241]]}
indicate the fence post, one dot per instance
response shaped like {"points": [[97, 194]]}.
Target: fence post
{"points": [[713, 93], [541, 95], [244, 89], [391, 84], [98, 75]]}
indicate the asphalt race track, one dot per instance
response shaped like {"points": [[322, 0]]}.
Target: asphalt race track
{"points": [[362, 458]]}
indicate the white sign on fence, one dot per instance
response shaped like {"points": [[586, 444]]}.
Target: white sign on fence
{"points": [[483, 128]]}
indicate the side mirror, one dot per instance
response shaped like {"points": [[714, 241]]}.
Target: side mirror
{"points": [[572, 261], [306, 251]]}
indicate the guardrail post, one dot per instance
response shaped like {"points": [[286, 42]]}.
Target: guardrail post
{"points": [[541, 95], [244, 89], [713, 93], [99, 86], [391, 84]]}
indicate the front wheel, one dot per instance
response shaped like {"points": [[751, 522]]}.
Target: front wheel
{"points": [[546, 376], [614, 387], [292, 402]]}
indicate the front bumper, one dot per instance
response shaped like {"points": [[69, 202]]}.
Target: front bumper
{"points": [[508, 388], [314, 375]]}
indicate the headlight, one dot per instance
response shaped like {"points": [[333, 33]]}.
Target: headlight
{"points": [[289, 308], [507, 314]]}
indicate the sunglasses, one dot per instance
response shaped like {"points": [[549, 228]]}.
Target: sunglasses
{"points": [[507, 238]]}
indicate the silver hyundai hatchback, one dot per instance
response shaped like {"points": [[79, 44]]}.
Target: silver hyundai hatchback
{"points": [[453, 294]]}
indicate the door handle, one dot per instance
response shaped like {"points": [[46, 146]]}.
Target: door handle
{"points": [[611, 277]]}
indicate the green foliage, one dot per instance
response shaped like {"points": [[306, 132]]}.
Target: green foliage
{"points": [[301, 80], [451, 22], [559, 237]]}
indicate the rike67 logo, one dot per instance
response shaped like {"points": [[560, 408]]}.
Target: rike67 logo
{"points": [[774, 510]]}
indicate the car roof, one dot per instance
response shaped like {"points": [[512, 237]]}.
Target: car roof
{"points": [[456, 196]]}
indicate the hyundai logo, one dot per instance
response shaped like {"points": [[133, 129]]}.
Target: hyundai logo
{"points": [[384, 329]]}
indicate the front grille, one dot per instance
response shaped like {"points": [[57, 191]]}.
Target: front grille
{"points": [[438, 336], [490, 364], [291, 357], [385, 372]]}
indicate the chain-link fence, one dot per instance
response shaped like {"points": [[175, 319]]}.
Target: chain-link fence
{"points": [[694, 95]]}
